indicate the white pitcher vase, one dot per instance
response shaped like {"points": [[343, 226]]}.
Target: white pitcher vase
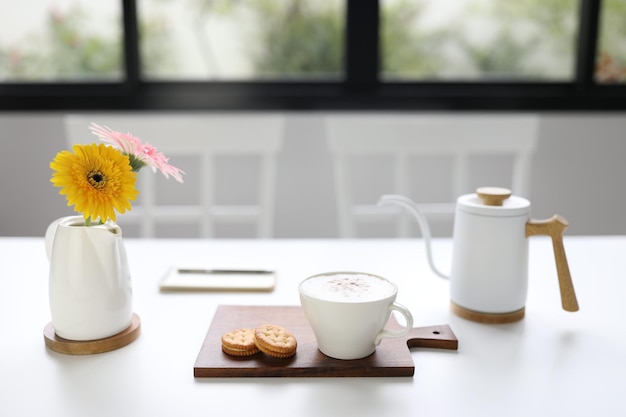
{"points": [[90, 287]]}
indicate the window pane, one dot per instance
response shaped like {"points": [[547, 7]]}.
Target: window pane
{"points": [[60, 40], [611, 61], [484, 40], [241, 40]]}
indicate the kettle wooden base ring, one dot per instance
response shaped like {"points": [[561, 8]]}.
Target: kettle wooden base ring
{"points": [[488, 318]]}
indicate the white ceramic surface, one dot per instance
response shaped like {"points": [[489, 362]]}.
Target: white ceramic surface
{"points": [[90, 290], [490, 255], [352, 329], [489, 270]]}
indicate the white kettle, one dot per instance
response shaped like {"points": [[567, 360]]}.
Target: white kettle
{"points": [[489, 274]]}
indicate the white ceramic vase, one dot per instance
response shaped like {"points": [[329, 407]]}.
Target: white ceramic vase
{"points": [[90, 288]]}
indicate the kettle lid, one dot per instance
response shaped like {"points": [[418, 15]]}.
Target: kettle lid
{"points": [[494, 201]]}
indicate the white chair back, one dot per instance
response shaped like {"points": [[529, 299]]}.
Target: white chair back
{"points": [[204, 136], [402, 136]]}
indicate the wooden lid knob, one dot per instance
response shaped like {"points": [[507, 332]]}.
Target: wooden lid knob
{"points": [[493, 196]]}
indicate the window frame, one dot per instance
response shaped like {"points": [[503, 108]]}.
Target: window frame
{"points": [[361, 88]]}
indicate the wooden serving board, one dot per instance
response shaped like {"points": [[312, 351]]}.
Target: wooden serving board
{"points": [[392, 357]]}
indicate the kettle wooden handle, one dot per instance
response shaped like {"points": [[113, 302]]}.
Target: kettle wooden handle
{"points": [[554, 227]]}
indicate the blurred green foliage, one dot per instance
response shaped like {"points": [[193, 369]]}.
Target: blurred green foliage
{"points": [[280, 50], [481, 40], [611, 66], [65, 50], [295, 39]]}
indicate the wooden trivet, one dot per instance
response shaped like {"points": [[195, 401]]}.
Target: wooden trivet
{"points": [[88, 347]]}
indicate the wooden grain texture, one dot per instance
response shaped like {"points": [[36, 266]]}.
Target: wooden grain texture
{"points": [[488, 318], [493, 196], [88, 347], [555, 227], [391, 359]]}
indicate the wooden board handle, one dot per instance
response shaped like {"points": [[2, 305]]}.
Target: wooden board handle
{"points": [[554, 227], [434, 337]]}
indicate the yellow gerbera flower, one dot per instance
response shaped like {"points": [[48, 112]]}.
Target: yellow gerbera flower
{"points": [[96, 179]]}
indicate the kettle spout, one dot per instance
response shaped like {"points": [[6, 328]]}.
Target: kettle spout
{"points": [[413, 208]]}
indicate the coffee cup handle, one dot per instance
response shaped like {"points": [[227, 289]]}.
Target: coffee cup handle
{"points": [[396, 333]]}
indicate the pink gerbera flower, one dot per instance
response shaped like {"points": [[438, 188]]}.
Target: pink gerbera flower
{"points": [[140, 154]]}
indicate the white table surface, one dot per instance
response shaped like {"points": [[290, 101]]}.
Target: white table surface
{"points": [[551, 363]]}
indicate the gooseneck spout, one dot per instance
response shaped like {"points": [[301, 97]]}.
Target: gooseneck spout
{"points": [[412, 207]]}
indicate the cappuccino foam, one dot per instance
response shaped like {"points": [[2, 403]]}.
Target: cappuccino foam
{"points": [[346, 287]]}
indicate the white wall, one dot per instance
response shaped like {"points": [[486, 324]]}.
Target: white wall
{"points": [[578, 172]]}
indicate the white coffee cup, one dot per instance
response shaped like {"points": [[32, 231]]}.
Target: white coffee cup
{"points": [[348, 312]]}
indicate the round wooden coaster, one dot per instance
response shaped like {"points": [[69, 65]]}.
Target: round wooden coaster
{"points": [[488, 318], [88, 347]]}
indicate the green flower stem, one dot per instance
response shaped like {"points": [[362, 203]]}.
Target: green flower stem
{"points": [[135, 163]]}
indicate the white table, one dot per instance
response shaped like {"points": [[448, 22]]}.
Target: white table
{"points": [[550, 363]]}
